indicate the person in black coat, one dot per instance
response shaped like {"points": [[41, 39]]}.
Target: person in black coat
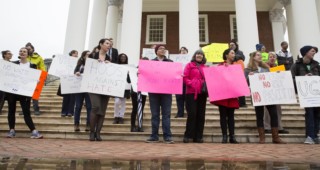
{"points": [[113, 53]]}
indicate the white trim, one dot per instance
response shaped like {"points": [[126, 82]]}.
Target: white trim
{"points": [[231, 17], [164, 17], [205, 16]]}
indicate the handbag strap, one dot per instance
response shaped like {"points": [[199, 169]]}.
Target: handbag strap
{"points": [[200, 72]]}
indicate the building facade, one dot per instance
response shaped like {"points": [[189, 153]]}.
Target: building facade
{"points": [[137, 24]]}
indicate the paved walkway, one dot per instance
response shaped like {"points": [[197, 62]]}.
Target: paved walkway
{"points": [[119, 150]]}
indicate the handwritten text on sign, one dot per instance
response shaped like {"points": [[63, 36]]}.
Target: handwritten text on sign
{"points": [[101, 78], [70, 84], [308, 88], [224, 82], [160, 77], [63, 65], [272, 88], [18, 80]]}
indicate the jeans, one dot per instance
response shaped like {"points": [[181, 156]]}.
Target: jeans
{"points": [[68, 104], [163, 101], [312, 121], [79, 103], [180, 98]]}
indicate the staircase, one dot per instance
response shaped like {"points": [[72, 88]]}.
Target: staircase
{"points": [[52, 125]]}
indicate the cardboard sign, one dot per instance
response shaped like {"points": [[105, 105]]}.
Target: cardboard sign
{"points": [[214, 51], [70, 84], [63, 65], [308, 88]]}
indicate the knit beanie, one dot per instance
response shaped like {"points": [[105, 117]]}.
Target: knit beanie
{"points": [[305, 49], [259, 46]]}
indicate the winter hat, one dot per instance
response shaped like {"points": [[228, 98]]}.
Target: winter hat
{"points": [[259, 46], [305, 49], [157, 47]]}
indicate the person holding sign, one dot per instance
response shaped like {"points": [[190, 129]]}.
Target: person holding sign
{"points": [[99, 102], [256, 65], [80, 97], [6, 55], [195, 99], [24, 101], [227, 106], [161, 102], [307, 66]]}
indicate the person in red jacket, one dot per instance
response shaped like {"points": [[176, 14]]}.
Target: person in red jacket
{"points": [[227, 106]]}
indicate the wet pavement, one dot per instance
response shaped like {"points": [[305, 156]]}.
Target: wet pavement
{"points": [[21, 151]]}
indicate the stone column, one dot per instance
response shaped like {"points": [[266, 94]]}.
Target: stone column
{"points": [[112, 20], [77, 26], [131, 30], [247, 26], [278, 22], [189, 25], [318, 10]]}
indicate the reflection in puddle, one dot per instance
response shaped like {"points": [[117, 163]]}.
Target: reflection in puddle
{"points": [[18, 163]]}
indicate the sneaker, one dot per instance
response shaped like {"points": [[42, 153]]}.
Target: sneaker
{"points": [[309, 140], [316, 140], [283, 131], [152, 140], [37, 113], [36, 135], [168, 141], [76, 128], [11, 134], [63, 115], [70, 114]]}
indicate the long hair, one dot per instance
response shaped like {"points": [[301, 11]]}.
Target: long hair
{"points": [[102, 41], [119, 60], [251, 65], [82, 59], [193, 59], [226, 52]]}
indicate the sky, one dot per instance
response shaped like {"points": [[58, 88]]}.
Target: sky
{"points": [[41, 22]]}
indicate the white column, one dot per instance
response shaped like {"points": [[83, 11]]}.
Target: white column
{"points": [[247, 26], [305, 22], [112, 20], [76, 26], [291, 31], [98, 22], [118, 43], [318, 10], [131, 30], [189, 25], [278, 27]]}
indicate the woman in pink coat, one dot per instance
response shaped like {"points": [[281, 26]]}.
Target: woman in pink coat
{"points": [[196, 101]]}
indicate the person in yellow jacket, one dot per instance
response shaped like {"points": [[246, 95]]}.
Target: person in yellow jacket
{"points": [[36, 59]]}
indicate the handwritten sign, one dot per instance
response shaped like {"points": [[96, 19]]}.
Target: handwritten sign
{"points": [[133, 73], [278, 68], [150, 53], [272, 88], [160, 77], [18, 80], [224, 82], [214, 51], [101, 78], [63, 65], [70, 84], [184, 59], [308, 88], [38, 90]]}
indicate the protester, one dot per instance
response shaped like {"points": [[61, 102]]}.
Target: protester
{"points": [[180, 98], [6, 55], [80, 97], [161, 102], [120, 102], [284, 57], [24, 101], [73, 53], [195, 98], [307, 66], [36, 59], [262, 49], [113, 53], [227, 106], [99, 102], [256, 65]]}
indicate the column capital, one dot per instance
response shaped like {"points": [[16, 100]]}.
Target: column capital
{"points": [[115, 2], [284, 2], [276, 15]]}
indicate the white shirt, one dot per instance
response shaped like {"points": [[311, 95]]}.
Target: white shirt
{"points": [[25, 65]]}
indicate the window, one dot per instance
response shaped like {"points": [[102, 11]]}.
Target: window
{"points": [[233, 27], [203, 29], [156, 29]]}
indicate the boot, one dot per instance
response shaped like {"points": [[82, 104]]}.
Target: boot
{"points": [[224, 139], [116, 120], [233, 139], [261, 135], [76, 128], [99, 127], [275, 136], [87, 128], [93, 122], [133, 129], [92, 136], [121, 121]]}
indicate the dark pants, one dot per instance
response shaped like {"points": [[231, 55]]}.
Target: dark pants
{"points": [[2, 99], [35, 104], [68, 103], [99, 105], [226, 119], [180, 98], [272, 109], [25, 105], [312, 117], [80, 97], [196, 116], [134, 100], [242, 101], [163, 101]]}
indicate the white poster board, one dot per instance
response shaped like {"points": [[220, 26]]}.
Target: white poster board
{"points": [[133, 73], [70, 84], [308, 88], [272, 88], [104, 78], [151, 54], [184, 59], [18, 80], [63, 65]]}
